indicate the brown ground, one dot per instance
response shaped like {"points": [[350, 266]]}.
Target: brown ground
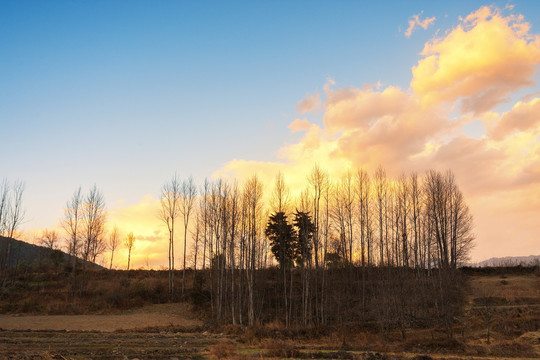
{"points": [[176, 315], [47, 345], [173, 331]]}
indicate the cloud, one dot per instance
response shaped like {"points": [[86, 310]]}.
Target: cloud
{"points": [[297, 160], [389, 125], [462, 77], [480, 63], [522, 117], [415, 22], [140, 218], [151, 235], [311, 103], [299, 125]]}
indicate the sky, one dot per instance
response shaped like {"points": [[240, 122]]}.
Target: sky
{"points": [[124, 94]]}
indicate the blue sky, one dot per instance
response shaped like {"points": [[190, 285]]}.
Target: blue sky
{"points": [[125, 93]]}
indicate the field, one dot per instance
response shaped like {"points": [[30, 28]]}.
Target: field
{"points": [[505, 304]]}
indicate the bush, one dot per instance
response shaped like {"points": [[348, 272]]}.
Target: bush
{"points": [[280, 349], [222, 350]]}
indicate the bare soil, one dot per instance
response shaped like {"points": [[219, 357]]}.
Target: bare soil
{"points": [[174, 331], [99, 345], [175, 315]]}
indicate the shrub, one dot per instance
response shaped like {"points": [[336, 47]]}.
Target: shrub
{"points": [[280, 349], [222, 350]]}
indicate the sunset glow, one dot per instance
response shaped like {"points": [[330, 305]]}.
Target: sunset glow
{"points": [[127, 112]]}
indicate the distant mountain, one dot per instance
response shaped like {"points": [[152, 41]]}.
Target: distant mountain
{"points": [[23, 253], [510, 261]]}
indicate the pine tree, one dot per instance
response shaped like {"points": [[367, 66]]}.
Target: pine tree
{"points": [[304, 237], [282, 239]]}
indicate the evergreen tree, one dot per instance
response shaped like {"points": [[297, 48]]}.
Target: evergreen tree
{"points": [[304, 236], [282, 239]]}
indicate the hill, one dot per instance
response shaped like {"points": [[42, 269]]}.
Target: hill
{"points": [[510, 261], [25, 254]]}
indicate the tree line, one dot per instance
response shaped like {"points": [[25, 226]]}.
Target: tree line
{"points": [[367, 229], [333, 253]]}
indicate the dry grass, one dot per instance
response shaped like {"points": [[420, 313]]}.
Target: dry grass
{"points": [[106, 292], [223, 350], [513, 288], [514, 305]]}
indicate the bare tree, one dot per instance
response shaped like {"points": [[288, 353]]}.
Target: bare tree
{"points": [[253, 200], [49, 239], [71, 224], [280, 201], [93, 221], [196, 235], [11, 217], [340, 218], [415, 213], [11, 210], [381, 189], [129, 242], [4, 205], [317, 179], [187, 200], [170, 210], [93, 227], [235, 211], [403, 216], [230, 226], [449, 217], [363, 196], [114, 241]]}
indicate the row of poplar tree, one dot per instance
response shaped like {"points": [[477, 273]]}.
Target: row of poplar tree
{"points": [[340, 247]]}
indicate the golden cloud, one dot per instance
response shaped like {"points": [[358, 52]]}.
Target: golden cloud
{"points": [[477, 65], [522, 117], [415, 22], [151, 235], [311, 103], [299, 125], [390, 126], [480, 62]]}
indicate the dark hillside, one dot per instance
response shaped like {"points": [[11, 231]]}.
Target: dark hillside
{"points": [[23, 254]]}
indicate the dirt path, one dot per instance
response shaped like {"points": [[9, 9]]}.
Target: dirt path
{"points": [[151, 316]]}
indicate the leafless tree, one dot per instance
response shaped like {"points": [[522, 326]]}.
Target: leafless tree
{"points": [[49, 239], [11, 217], [93, 218], [16, 213], [129, 242], [363, 210], [187, 201], [170, 210], [381, 188], [339, 217], [415, 216], [280, 201], [229, 229], [197, 235], [93, 221], [403, 216], [72, 224], [4, 206], [114, 241], [317, 179], [253, 192], [449, 217]]}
